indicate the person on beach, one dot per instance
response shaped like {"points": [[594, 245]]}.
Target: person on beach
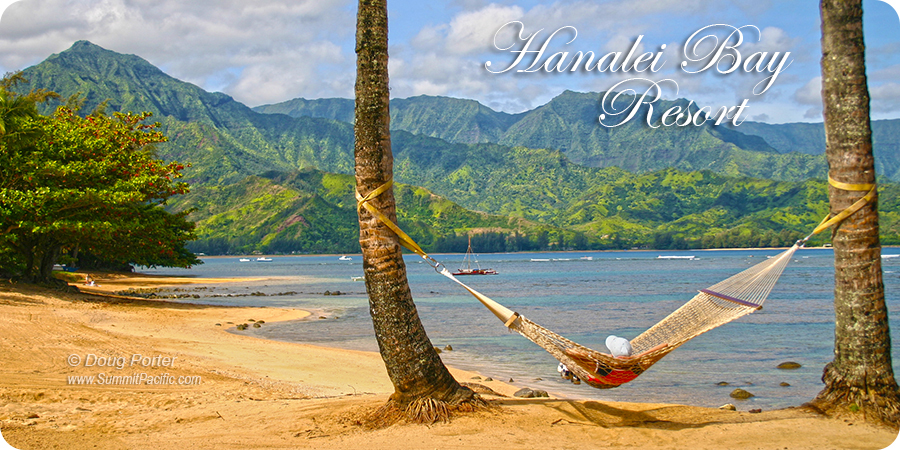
{"points": [[567, 374], [88, 281], [618, 346]]}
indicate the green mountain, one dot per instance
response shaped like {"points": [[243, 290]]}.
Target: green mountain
{"points": [[310, 211], [222, 139], [459, 121], [569, 123], [314, 212], [809, 138], [272, 182]]}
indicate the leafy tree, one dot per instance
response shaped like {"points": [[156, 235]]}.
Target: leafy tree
{"points": [[860, 378], [72, 183], [423, 387]]}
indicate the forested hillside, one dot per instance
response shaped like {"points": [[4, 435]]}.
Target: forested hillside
{"points": [[550, 178]]}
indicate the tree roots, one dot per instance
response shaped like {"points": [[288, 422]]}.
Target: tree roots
{"points": [[875, 404], [424, 410]]}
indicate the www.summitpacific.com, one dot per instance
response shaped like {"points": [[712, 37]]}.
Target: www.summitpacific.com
{"points": [[103, 379]]}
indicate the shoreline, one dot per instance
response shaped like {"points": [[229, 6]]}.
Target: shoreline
{"points": [[357, 255], [290, 395]]}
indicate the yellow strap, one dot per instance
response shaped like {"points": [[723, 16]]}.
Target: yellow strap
{"points": [[828, 221], [405, 240], [850, 187], [507, 316]]}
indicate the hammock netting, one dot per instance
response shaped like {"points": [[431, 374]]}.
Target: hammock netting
{"points": [[717, 305]]}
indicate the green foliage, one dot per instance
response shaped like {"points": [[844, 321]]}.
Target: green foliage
{"points": [[311, 211], [88, 183]]}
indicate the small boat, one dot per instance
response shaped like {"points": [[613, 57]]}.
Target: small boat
{"points": [[345, 258], [467, 261], [357, 278], [263, 259], [244, 260], [675, 257]]}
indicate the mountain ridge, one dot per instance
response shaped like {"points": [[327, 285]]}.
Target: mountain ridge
{"points": [[534, 192], [801, 138]]}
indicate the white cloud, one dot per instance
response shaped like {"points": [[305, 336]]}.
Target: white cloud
{"points": [[810, 93], [813, 114], [885, 97], [473, 31]]}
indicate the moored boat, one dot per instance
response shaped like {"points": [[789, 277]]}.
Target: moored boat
{"points": [[467, 262]]}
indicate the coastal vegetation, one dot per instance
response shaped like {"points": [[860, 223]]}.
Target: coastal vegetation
{"points": [[84, 187]]}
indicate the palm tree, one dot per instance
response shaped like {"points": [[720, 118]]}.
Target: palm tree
{"points": [[860, 379], [421, 382]]}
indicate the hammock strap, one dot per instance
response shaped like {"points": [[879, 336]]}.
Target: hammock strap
{"points": [[830, 220], [362, 201], [507, 316]]}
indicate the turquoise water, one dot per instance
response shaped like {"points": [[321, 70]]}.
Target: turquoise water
{"points": [[586, 300]]}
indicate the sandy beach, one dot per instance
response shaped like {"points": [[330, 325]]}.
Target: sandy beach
{"points": [[211, 388]]}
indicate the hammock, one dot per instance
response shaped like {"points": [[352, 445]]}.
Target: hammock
{"points": [[717, 305], [721, 303]]}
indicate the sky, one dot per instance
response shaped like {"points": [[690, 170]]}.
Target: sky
{"points": [[270, 51]]}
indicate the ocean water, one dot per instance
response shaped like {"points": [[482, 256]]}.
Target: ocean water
{"points": [[584, 296]]}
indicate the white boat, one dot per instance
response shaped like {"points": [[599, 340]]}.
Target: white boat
{"points": [[263, 259], [244, 260], [345, 258], [675, 257], [358, 278]]}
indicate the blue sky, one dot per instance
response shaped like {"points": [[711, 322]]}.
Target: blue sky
{"points": [[275, 50]]}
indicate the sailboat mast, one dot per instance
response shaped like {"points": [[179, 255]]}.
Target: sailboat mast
{"points": [[469, 254]]}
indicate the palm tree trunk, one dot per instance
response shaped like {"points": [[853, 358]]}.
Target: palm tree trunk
{"points": [[412, 363], [860, 379]]}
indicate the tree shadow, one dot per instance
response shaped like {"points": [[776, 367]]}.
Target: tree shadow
{"points": [[662, 417]]}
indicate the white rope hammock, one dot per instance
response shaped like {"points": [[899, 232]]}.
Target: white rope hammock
{"points": [[717, 305]]}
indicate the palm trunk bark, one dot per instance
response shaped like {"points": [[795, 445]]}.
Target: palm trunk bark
{"points": [[413, 365], [860, 379]]}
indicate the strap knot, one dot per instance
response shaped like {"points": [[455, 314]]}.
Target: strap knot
{"points": [[830, 220], [362, 201]]}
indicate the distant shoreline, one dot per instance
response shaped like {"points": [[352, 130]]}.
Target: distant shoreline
{"points": [[357, 255]]}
